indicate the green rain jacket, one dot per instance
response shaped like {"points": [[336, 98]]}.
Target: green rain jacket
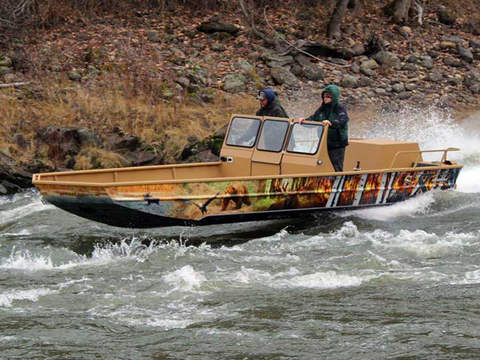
{"points": [[337, 115]]}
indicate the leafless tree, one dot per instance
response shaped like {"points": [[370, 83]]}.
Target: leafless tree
{"points": [[403, 7], [334, 30]]}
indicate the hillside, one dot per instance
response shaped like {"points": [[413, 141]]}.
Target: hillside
{"points": [[92, 87]]}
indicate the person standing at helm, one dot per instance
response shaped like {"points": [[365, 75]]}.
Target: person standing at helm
{"points": [[269, 104], [333, 114]]}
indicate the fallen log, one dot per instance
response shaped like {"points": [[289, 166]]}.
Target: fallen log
{"points": [[15, 85]]}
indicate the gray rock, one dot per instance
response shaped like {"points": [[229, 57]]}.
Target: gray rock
{"points": [[153, 36], [349, 81], [452, 38], [254, 56], [380, 91], [465, 54], [358, 49], [412, 59], [245, 66], [404, 95], [435, 77], [303, 60], [183, 81], [409, 67], [211, 27], [355, 69], [217, 47], [410, 86], [282, 76], [314, 73], [279, 61], [474, 44], [398, 88], [427, 64], [472, 81], [367, 72], [388, 59], [234, 83], [433, 54], [297, 70], [369, 64], [451, 62], [365, 81]]}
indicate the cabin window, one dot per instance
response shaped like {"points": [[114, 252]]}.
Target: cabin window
{"points": [[305, 138], [273, 135], [243, 132]]}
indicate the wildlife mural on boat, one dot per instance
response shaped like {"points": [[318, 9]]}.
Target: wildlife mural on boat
{"points": [[195, 200]]}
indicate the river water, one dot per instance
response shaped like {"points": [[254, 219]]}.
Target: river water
{"points": [[401, 282]]}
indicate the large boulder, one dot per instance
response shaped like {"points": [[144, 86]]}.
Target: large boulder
{"points": [[12, 176], [314, 72], [234, 83], [282, 76]]}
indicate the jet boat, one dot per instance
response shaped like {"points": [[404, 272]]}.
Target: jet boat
{"points": [[269, 168]]}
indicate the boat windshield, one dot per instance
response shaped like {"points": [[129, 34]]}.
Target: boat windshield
{"points": [[305, 138], [273, 135], [243, 132]]}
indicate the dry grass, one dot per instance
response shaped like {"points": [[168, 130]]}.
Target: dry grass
{"points": [[104, 108]]}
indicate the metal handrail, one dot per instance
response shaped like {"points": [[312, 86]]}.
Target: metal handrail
{"points": [[419, 152]]}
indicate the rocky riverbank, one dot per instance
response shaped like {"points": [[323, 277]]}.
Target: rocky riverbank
{"points": [[179, 60]]}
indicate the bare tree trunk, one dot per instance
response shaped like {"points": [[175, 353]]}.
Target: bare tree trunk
{"points": [[336, 20], [400, 10]]}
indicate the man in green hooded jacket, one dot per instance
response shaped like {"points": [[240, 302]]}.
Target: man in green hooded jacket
{"points": [[333, 114]]}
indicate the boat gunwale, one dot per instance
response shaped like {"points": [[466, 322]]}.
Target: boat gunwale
{"points": [[231, 179]]}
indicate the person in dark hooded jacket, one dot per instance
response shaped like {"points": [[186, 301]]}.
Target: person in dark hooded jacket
{"points": [[269, 104], [332, 113]]}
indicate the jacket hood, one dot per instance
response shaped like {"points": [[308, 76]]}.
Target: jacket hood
{"points": [[270, 95], [335, 91]]}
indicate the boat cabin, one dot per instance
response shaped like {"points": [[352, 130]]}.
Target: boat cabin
{"points": [[256, 146]]}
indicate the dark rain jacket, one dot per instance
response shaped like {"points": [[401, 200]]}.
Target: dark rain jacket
{"points": [[337, 115], [273, 107]]}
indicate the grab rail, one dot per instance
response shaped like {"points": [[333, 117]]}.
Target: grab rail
{"points": [[419, 152]]}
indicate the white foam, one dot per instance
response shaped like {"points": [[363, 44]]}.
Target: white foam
{"points": [[7, 299], [22, 211], [7, 338], [102, 255], [421, 243], [248, 275], [322, 280], [185, 279], [471, 277], [469, 179], [23, 232], [24, 260], [409, 208]]}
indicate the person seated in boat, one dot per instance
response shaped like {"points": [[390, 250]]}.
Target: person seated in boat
{"points": [[333, 114], [269, 104]]}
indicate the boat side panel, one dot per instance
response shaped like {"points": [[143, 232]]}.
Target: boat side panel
{"points": [[195, 201]]}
